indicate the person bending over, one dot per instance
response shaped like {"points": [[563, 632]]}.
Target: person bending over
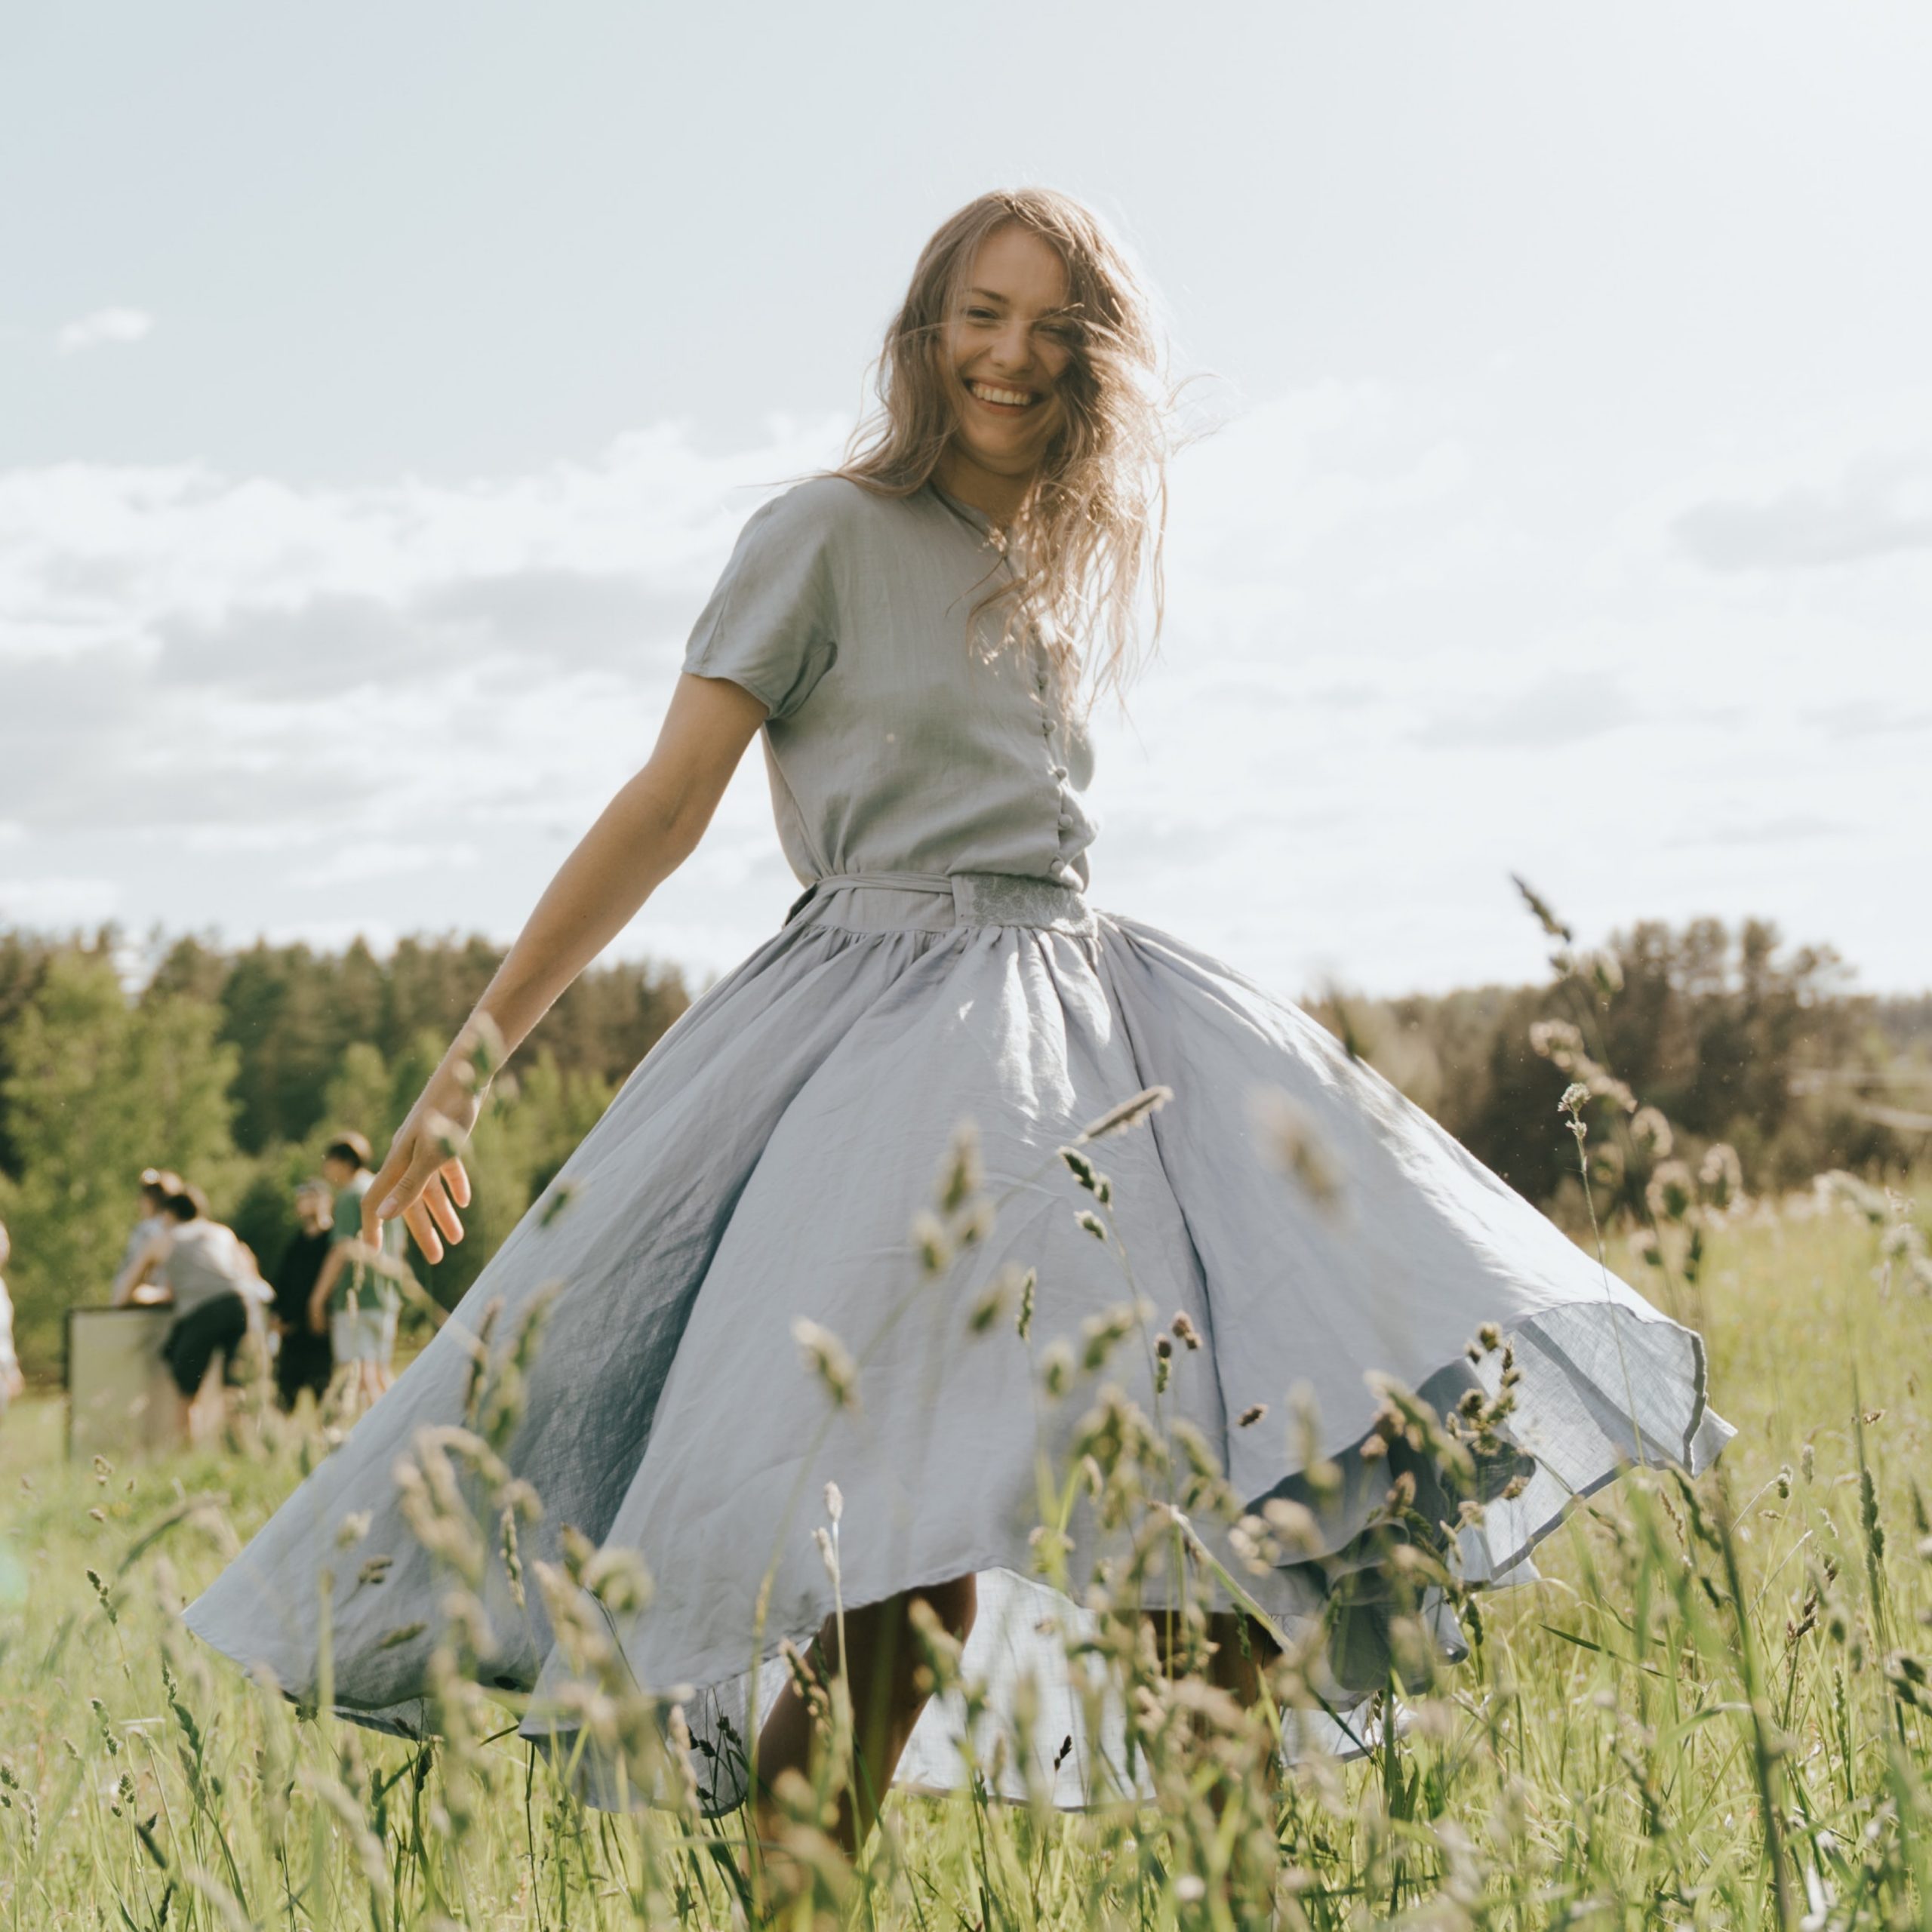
{"points": [[211, 1278]]}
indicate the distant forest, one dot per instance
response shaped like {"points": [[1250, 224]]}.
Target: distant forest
{"points": [[235, 1068]]}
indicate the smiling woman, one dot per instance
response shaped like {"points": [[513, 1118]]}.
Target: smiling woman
{"points": [[1022, 373], [912, 635]]}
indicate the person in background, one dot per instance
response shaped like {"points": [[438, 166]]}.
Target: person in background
{"points": [[212, 1279], [353, 1302], [11, 1382], [303, 1359], [140, 1260]]}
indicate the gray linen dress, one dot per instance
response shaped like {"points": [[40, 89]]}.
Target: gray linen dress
{"points": [[767, 1159]]}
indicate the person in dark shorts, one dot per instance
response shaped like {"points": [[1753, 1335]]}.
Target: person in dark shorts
{"points": [[304, 1359], [211, 1278]]}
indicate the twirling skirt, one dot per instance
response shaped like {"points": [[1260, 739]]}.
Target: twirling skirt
{"points": [[767, 1161]]}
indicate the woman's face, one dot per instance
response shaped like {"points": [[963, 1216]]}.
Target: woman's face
{"points": [[1006, 347]]}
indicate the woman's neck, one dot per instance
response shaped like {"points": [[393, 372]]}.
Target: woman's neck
{"points": [[1000, 497]]}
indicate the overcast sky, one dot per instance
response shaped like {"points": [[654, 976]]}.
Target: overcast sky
{"points": [[381, 388]]}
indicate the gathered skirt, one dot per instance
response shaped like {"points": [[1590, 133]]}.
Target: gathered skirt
{"points": [[766, 1164]]}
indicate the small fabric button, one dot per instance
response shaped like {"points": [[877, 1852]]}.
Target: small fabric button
{"points": [[1060, 772], [1066, 821]]}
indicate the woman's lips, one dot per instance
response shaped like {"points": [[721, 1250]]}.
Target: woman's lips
{"points": [[995, 395]]}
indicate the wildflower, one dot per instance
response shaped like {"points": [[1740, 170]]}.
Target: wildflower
{"points": [[1671, 1192], [835, 1501], [1557, 1041], [963, 1174], [1721, 1174], [1023, 1323], [828, 1359], [480, 1044], [828, 1553], [1252, 1414], [1056, 1367], [931, 1242], [1545, 914], [1293, 1524], [1082, 1170], [1298, 1148], [1092, 1223], [1101, 1333], [1129, 1113], [558, 1202], [1651, 1132], [1185, 1331]]}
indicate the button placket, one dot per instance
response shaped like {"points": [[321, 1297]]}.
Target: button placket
{"points": [[1065, 820]]}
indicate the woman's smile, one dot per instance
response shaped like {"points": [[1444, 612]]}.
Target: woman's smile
{"points": [[1002, 400]]}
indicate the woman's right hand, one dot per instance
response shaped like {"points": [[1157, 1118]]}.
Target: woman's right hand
{"points": [[423, 1180]]}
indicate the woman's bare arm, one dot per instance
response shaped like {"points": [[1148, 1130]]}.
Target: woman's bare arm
{"points": [[647, 831]]}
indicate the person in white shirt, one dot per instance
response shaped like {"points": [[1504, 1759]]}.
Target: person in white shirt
{"points": [[147, 1246], [216, 1290]]}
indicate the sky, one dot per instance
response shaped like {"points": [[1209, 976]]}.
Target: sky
{"points": [[381, 388]]}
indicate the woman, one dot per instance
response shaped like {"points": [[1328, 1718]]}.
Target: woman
{"points": [[215, 1291], [913, 635]]}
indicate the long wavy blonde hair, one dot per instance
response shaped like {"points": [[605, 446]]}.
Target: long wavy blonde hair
{"points": [[1086, 547]]}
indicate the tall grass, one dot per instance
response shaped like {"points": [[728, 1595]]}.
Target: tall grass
{"points": [[1713, 1711]]}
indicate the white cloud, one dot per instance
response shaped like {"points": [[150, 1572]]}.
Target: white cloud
{"points": [[103, 326], [1396, 669], [54, 905]]}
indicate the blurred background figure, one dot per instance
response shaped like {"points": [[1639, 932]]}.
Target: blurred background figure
{"points": [[354, 1303], [141, 1258], [217, 1293], [303, 1358], [11, 1381]]}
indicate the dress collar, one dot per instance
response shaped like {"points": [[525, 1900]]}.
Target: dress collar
{"points": [[977, 517]]}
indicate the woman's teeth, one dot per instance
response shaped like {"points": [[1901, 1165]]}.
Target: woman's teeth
{"points": [[1010, 399]]}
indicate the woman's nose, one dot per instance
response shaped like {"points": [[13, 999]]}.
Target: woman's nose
{"points": [[1012, 348]]}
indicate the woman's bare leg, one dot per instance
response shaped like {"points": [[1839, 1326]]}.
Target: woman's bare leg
{"points": [[1232, 1666], [883, 1657]]}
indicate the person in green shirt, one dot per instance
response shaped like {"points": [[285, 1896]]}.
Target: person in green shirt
{"points": [[353, 1301]]}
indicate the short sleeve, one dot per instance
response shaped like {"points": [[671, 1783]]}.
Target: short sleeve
{"points": [[770, 624]]}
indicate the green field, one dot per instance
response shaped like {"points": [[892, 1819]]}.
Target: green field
{"points": [[1712, 1712]]}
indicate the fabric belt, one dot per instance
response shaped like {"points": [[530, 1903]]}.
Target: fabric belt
{"points": [[977, 899]]}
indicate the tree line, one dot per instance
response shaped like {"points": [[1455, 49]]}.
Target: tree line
{"points": [[234, 1067]]}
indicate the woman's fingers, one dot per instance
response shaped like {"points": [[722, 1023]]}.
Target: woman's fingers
{"points": [[436, 1198], [404, 1200], [422, 1185], [415, 1219], [387, 1178]]}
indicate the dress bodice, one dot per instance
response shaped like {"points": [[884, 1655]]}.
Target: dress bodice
{"points": [[902, 735]]}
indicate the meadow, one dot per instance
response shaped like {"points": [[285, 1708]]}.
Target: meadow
{"points": [[1713, 1711]]}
